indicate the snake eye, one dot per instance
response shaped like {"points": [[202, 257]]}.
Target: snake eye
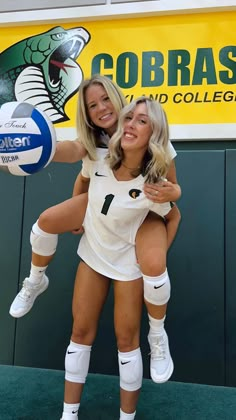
{"points": [[58, 37]]}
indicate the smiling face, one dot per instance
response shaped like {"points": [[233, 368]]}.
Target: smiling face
{"points": [[100, 108], [137, 129]]}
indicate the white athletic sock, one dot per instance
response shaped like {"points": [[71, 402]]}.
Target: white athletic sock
{"points": [[70, 411], [156, 325], [36, 274], [126, 416]]}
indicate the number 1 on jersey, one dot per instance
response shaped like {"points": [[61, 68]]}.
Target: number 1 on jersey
{"points": [[107, 203]]}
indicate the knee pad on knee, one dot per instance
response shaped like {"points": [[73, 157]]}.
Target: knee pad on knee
{"points": [[131, 370], [43, 243], [157, 289], [77, 362]]}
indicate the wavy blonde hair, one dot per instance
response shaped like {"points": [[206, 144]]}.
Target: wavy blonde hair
{"points": [[88, 133], [156, 160]]}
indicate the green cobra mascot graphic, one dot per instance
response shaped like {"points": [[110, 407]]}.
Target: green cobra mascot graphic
{"points": [[42, 70]]}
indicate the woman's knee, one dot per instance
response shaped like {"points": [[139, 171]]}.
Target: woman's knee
{"points": [[127, 338], [152, 261], [45, 220], [83, 334], [151, 246]]}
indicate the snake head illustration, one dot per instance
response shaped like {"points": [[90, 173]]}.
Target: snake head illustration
{"points": [[42, 70]]}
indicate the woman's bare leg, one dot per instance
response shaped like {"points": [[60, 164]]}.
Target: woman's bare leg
{"points": [[90, 293], [151, 249], [63, 217], [127, 317]]}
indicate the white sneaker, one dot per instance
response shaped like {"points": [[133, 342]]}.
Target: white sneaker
{"points": [[24, 300], [161, 363]]}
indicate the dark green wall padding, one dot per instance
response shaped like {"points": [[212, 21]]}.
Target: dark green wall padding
{"points": [[201, 264], [11, 213]]}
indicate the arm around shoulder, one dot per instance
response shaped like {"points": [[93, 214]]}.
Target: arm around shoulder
{"points": [[164, 191]]}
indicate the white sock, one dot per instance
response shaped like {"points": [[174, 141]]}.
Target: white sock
{"points": [[70, 411], [156, 325], [126, 416], [36, 274]]}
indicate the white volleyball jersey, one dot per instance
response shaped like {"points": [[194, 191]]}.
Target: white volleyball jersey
{"points": [[115, 211]]}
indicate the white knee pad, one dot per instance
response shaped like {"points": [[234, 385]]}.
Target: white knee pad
{"points": [[157, 289], [77, 362], [43, 243], [131, 370]]}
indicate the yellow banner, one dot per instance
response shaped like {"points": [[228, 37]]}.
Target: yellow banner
{"points": [[187, 62]]}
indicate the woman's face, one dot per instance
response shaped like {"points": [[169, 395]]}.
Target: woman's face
{"points": [[100, 109], [137, 129]]}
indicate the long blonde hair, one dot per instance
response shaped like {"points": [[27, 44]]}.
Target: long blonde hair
{"points": [[156, 160], [88, 133]]}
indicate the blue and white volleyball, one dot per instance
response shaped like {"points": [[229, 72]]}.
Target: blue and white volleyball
{"points": [[27, 139]]}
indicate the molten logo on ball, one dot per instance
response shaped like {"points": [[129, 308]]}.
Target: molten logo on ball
{"points": [[27, 139], [9, 143]]}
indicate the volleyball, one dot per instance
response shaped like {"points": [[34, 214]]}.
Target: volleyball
{"points": [[27, 139]]}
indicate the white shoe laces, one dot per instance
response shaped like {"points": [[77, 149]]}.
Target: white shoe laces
{"points": [[158, 347], [25, 293]]}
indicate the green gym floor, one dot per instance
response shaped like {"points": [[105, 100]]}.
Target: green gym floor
{"points": [[37, 394]]}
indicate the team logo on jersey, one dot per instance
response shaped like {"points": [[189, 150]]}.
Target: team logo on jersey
{"points": [[134, 193]]}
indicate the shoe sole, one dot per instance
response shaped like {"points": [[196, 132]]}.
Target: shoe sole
{"points": [[166, 377], [19, 315]]}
